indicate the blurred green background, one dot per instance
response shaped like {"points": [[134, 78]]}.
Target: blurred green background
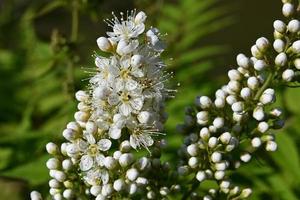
{"points": [[45, 46]]}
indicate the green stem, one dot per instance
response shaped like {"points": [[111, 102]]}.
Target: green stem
{"points": [[75, 22], [265, 86], [73, 39]]}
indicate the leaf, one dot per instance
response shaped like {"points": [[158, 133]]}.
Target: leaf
{"points": [[35, 172]]}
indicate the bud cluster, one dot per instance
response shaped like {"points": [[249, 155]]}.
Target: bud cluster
{"points": [[224, 132]]}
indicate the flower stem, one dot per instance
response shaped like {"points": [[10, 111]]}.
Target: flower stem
{"points": [[265, 85]]}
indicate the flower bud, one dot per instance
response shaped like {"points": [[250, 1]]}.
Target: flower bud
{"points": [[70, 134], [132, 174], [104, 44], [246, 157], [74, 126], [288, 75], [216, 157], [296, 47], [200, 176], [67, 164], [237, 107], [107, 190], [218, 122], [263, 127], [297, 63], [193, 162], [95, 190], [279, 26], [81, 96], [258, 114], [34, 195], [244, 62], [288, 9], [126, 159], [204, 133], [219, 175], [133, 188], [117, 155], [245, 93], [140, 17], [144, 117], [234, 75], [271, 146], [233, 86], [255, 52], [52, 148], [279, 45], [225, 137], [137, 60], [294, 26], [260, 65], [252, 83], [53, 163], [245, 193], [110, 162], [225, 184], [205, 102], [119, 185], [60, 176], [125, 146], [81, 116], [281, 59], [262, 44], [219, 102], [256, 142], [212, 142], [221, 166], [68, 194], [192, 149], [142, 181], [267, 99]]}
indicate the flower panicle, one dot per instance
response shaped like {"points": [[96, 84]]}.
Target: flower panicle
{"points": [[122, 110], [227, 131]]}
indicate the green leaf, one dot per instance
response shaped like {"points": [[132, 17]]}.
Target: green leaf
{"points": [[35, 172]]}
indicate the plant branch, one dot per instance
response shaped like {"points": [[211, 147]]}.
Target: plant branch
{"points": [[265, 86]]}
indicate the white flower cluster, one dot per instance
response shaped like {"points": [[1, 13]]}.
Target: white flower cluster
{"points": [[121, 112], [227, 131]]}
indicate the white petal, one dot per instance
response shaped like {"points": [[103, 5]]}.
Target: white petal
{"points": [[90, 138], [104, 176], [133, 142], [131, 85], [125, 62], [86, 163], [102, 124], [114, 133], [104, 144], [138, 73], [82, 145], [137, 103], [100, 159], [148, 140], [113, 99], [125, 109]]}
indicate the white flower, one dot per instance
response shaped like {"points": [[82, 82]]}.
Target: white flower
{"points": [[92, 155], [127, 29], [140, 135], [96, 176]]}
